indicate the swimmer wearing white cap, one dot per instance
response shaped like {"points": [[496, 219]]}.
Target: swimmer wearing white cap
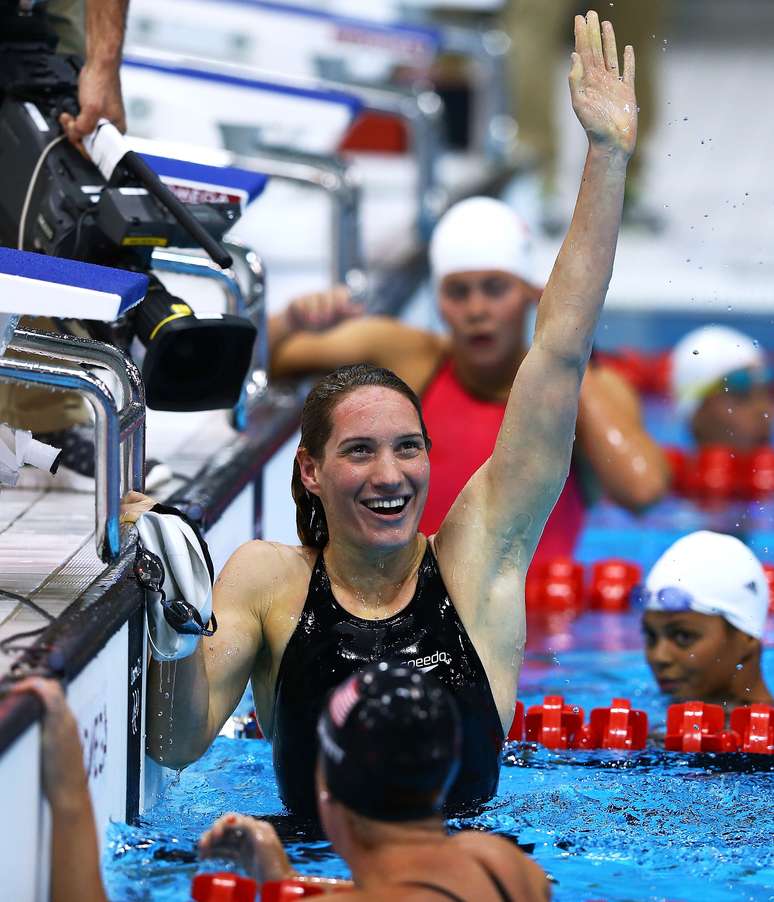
{"points": [[706, 600], [721, 384], [484, 276]]}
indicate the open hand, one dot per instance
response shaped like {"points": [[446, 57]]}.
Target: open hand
{"points": [[603, 101], [321, 310], [254, 844]]}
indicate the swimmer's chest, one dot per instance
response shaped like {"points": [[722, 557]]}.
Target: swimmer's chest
{"points": [[330, 643]]}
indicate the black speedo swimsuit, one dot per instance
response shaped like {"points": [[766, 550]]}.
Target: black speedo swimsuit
{"points": [[329, 644]]}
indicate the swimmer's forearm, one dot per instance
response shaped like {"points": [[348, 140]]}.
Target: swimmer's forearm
{"points": [[278, 330], [573, 297], [178, 703], [75, 872]]}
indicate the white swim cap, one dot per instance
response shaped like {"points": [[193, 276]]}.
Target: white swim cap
{"points": [[704, 356], [481, 233], [711, 573]]}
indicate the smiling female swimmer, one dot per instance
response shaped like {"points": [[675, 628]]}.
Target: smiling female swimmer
{"points": [[365, 585]]}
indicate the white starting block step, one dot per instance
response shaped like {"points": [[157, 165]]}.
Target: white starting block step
{"points": [[39, 285]]}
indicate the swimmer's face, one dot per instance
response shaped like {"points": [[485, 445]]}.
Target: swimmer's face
{"points": [[696, 657], [485, 312], [739, 418], [374, 473]]}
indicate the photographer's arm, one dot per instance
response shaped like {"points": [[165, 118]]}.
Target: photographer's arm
{"points": [[99, 85]]}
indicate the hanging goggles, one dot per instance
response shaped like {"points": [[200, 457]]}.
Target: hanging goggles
{"points": [[743, 381], [179, 614]]}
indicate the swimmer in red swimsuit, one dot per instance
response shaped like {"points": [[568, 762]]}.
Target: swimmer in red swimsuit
{"points": [[481, 269]]}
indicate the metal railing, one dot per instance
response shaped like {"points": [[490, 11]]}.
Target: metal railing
{"points": [[494, 128], [119, 429], [331, 175], [420, 110]]}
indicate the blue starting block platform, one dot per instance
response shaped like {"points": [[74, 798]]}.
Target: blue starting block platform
{"points": [[40, 285], [194, 182]]}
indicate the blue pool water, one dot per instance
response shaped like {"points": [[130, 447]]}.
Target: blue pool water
{"points": [[614, 826], [645, 826]]}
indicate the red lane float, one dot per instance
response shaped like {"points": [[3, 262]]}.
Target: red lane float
{"points": [[227, 887], [756, 475], [554, 724], [715, 473], [516, 732], [698, 727], [559, 584], [754, 724], [691, 727], [612, 582], [618, 727], [768, 569], [719, 473], [223, 887], [287, 890], [556, 583]]}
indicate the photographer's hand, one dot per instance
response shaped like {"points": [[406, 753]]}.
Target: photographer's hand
{"points": [[99, 97], [99, 86]]}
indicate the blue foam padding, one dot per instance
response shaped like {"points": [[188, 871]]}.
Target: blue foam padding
{"points": [[129, 286], [252, 183], [354, 104]]}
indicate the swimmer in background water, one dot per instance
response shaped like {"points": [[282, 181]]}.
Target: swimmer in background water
{"points": [[365, 585], [722, 387], [706, 600], [480, 264], [481, 267], [390, 743]]}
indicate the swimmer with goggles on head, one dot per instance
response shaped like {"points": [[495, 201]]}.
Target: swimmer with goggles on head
{"points": [[390, 745], [706, 601]]}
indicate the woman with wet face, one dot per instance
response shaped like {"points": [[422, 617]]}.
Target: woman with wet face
{"points": [[365, 585], [706, 600]]}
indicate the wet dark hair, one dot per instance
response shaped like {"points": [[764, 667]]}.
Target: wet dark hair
{"points": [[316, 428]]}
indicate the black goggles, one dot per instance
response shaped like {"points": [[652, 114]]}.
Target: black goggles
{"points": [[179, 614]]}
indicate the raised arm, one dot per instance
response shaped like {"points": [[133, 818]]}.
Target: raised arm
{"points": [[503, 509]]}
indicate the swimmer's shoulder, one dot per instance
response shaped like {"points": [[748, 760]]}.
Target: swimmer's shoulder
{"points": [[262, 572], [519, 873]]}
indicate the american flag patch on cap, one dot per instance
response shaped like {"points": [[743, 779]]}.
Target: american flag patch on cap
{"points": [[343, 701]]}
